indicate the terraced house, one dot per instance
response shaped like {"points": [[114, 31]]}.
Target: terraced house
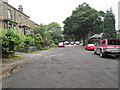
{"points": [[11, 17]]}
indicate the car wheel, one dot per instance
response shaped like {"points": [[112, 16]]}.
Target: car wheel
{"points": [[102, 54], [117, 56]]}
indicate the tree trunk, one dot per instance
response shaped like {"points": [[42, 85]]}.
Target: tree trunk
{"points": [[83, 40]]}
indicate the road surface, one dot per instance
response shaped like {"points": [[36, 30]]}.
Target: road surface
{"points": [[68, 67]]}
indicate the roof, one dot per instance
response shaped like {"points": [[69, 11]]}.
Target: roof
{"points": [[35, 23], [96, 36], [15, 9]]}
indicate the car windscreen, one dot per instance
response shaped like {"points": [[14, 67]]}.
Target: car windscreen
{"points": [[114, 42]]}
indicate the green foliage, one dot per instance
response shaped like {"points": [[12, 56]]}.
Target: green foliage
{"points": [[46, 37], [109, 26], [50, 33], [46, 48], [54, 45], [29, 41], [41, 30], [118, 36], [38, 41], [84, 20], [11, 40], [55, 41], [56, 32]]}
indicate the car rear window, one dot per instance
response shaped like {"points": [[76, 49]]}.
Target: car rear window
{"points": [[114, 42]]}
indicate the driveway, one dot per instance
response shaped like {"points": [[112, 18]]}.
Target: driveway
{"points": [[67, 67]]}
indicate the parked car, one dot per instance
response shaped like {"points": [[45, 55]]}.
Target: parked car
{"points": [[77, 42], [89, 46], [107, 47], [66, 43], [72, 43], [61, 44]]}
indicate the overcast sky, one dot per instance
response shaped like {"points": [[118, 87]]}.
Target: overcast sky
{"points": [[47, 11]]}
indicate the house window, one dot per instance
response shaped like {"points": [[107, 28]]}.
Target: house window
{"points": [[9, 14]]}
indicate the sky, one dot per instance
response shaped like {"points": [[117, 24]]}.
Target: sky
{"points": [[47, 11]]}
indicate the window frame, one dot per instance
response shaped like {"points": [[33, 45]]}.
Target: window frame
{"points": [[9, 14]]}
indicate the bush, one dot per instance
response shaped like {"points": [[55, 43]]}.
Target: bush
{"points": [[53, 45], [46, 48], [11, 40], [29, 41], [38, 41]]}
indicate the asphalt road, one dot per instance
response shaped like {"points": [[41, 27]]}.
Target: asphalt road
{"points": [[68, 67]]}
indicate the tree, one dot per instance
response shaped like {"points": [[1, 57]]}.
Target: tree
{"points": [[83, 21], [43, 31], [56, 32], [118, 35], [109, 26], [50, 33]]}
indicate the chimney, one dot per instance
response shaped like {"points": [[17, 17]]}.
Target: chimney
{"points": [[20, 8], [6, 1]]}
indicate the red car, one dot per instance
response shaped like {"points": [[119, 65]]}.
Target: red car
{"points": [[61, 44], [107, 47], [89, 46]]}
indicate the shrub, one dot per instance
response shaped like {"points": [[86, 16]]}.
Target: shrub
{"points": [[46, 48], [53, 45], [38, 41], [11, 40], [29, 41]]}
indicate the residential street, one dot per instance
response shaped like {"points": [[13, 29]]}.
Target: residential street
{"points": [[67, 67]]}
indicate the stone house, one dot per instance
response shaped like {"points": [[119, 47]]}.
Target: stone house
{"points": [[11, 17], [33, 25]]}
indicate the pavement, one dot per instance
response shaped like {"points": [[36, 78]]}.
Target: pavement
{"points": [[8, 66]]}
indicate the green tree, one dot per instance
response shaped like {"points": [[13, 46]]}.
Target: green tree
{"points": [[118, 35], [50, 33], [46, 37], [84, 21], [109, 26], [56, 32]]}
